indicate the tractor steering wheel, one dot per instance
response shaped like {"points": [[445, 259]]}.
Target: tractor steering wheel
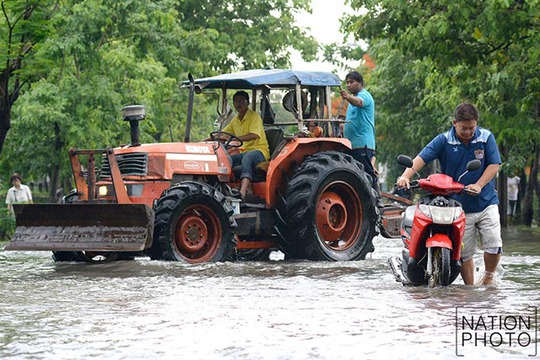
{"points": [[215, 136]]}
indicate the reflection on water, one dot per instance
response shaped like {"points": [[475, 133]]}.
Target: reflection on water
{"points": [[252, 310]]}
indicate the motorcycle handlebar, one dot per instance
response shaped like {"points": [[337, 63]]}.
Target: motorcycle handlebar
{"points": [[412, 185], [469, 192], [415, 184]]}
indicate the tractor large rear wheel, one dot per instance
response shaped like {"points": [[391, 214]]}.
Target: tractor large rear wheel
{"points": [[331, 210], [193, 224]]}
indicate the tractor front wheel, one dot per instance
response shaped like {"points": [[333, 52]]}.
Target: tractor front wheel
{"points": [[193, 224]]}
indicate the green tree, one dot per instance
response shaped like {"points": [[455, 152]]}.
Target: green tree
{"points": [[105, 54], [247, 34], [23, 25], [431, 55]]}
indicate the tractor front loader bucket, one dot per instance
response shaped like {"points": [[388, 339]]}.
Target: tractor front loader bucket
{"points": [[82, 227], [391, 221], [391, 215]]}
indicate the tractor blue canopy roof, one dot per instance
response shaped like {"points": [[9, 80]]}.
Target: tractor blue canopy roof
{"points": [[250, 79]]}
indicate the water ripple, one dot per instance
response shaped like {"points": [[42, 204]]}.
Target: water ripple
{"points": [[253, 310]]}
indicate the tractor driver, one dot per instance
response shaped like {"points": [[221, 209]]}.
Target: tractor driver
{"points": [[247, 125]]}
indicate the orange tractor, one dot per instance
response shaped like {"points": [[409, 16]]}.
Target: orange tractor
{"points": [[175, 201]]}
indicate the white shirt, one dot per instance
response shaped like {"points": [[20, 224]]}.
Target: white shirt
{"points": [[513, 187], [20, 196]]}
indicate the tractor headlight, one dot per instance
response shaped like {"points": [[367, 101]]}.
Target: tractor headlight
{"points": [[131, 189], [103, 191], [135, 190]]}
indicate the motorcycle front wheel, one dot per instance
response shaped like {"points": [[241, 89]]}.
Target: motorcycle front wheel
{"points": [[440, 267]]}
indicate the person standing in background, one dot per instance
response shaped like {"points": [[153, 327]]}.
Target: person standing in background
{"points": [[18, 193], [512, 184]]}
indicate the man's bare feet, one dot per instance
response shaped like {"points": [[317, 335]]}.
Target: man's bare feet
{"points": [[488, 279]]}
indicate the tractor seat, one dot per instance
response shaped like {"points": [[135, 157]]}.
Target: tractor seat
{"points": [[276, 142]]}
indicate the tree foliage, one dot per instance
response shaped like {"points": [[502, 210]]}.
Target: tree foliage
{"points": [[24, 25], [431, 55], [98, 56]]}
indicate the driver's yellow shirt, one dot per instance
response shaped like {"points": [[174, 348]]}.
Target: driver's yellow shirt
{"points": [[250, 124]]}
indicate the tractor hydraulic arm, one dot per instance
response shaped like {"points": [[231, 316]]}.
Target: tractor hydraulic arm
{"points": [[86, 183]]}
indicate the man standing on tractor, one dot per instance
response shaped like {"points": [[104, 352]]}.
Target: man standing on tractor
{"points": [[360, 125], [247, 125]]}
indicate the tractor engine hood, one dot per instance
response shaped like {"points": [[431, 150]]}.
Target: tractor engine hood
{"points": [[165, 159]]}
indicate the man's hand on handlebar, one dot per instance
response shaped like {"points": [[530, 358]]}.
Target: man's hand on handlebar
{"points": [[472, 189], [403, 182]]}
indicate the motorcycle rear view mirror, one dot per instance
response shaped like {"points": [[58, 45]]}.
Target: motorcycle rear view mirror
{"points": [[474, 165], [405, 161], [471, 166], [408, 163]]}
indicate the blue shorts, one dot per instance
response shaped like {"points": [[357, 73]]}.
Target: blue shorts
{"points": [[248, 160]]}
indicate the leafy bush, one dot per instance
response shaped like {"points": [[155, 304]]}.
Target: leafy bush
{"points": [[7, 226]]}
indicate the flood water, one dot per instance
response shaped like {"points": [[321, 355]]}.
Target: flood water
{"points": [[146, 309]]}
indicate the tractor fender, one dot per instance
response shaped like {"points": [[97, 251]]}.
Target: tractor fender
{"points": [[290, 157]]}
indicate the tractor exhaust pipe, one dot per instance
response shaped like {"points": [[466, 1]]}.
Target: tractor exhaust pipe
{"points": [[134, 114], [190, 107]]}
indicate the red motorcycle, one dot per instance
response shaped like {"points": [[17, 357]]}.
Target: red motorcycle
{"points": [[432, 231]]}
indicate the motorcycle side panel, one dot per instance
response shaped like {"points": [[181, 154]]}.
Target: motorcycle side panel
{"points": [[415, 273], [420, 225]]}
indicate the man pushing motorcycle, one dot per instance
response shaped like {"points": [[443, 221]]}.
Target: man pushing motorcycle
{"points": [[466, 141]]}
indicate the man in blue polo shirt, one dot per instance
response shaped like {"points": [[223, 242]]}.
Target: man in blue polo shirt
{"points": [[464, 142]]}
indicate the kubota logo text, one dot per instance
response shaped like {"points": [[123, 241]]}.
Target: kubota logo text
{"points": [[197, 149]]}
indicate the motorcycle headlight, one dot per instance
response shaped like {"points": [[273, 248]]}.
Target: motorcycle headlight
{"points": [[424, 209], [441, 215], [457, 212]]}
